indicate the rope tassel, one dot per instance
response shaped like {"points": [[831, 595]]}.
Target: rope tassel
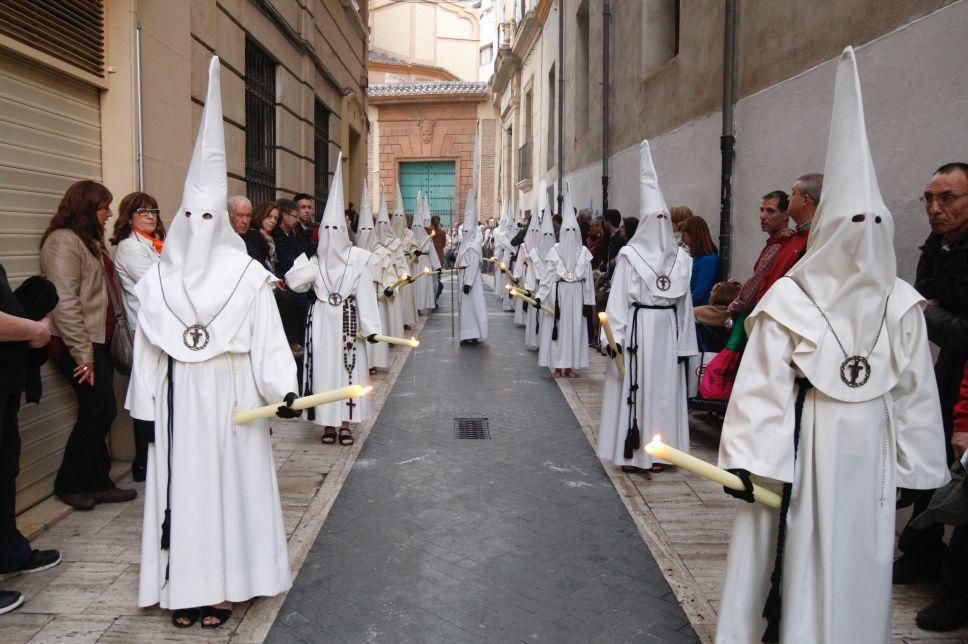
{"points": [[633, 440], [166, 531]]}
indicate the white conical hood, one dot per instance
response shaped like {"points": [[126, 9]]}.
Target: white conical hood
{"points": [[334, 240], [849, 267], [205, 280], [569, 237], [533, 232], [470, 237], [541, 205], [399, 215], [201, 245], [366, 237], [545, 239], [653, 250], [384, 230], [417, 227]]}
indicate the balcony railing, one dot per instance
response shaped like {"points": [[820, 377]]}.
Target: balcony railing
{"points": [[524, 162]]}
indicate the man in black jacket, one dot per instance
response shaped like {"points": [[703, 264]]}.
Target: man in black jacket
{"points": [[18, 334], [942, 278]]}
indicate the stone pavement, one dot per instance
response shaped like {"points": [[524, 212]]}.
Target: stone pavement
{"points": [[686, 521], [518, 538]]}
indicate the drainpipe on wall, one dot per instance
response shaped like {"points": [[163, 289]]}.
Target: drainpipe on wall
{"points": [[727, 142], [561, 102], [141, 137], [606, 27]]}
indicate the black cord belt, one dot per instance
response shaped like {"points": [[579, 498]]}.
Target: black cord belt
{"points": [[656, 307]]}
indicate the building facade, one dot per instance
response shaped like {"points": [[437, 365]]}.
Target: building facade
{"points": [[114, 92], [665, 61], [433, 126]]}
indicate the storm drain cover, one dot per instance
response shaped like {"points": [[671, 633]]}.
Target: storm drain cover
{"points": [[471, 428]]}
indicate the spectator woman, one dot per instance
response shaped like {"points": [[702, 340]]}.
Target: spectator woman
{"points": [[264, 221], [705, 258], [677, 215], [139, 236], [73, 257]]}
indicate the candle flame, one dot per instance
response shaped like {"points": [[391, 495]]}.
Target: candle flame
{"points": [[426, 270], [367, 390], [414, 342], [433, 233], [508, 287], [504, 266], [602, 317], [655, 442]]}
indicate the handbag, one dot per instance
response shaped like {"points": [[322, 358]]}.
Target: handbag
{"points": [[122, 341], [720, 374]]}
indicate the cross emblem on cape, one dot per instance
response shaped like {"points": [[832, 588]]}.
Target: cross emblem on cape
{"points": [[663, 283], [855, 371]]}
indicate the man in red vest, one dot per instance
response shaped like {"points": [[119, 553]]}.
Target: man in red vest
{"points": [[804, 198], [774, 220]]}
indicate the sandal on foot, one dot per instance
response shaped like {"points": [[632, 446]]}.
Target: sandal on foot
{"points": [[329, 436], [657, 467], [345, 436], [220, 614], [190, 614], [628, 469]]}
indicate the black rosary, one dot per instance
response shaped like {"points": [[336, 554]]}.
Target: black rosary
{"points": [[351, 324]]}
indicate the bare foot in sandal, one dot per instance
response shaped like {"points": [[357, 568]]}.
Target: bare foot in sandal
{"points": [[346, 436], [657, 467], [329, 436], [215, 616]]}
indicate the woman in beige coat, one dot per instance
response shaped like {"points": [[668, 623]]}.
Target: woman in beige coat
{"points": [[72, 256]]}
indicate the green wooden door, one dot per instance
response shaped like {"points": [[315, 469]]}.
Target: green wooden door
{"points": [[435, 180]]}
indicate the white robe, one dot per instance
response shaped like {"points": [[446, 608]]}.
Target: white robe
{"points": [[519, 270], [228, 541], [328, 352], [378, 354], [425, 288], [473, 311], [570, 350], [663, 336], [407, 294], [851, 457], [533, 271], [392, 307]]}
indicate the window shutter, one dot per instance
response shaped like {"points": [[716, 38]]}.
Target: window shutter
{"points": [[71, 31]]}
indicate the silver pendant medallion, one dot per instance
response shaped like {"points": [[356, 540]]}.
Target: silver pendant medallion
{"points": [[570, 277], [663, 283], [855, 371], [195, 337], [335, 299]]}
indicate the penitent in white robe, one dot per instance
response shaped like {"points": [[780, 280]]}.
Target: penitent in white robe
{"points": [[663, 336], [851, 457], [329, 355], [378, 354], [533, 273], [570, 350], [473, 310], [519, 269], [425, 288], [228, 541]]}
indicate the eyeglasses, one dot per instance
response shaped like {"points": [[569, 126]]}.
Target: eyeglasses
{"points": [[944, 199], [154, 212], [289, 214]]}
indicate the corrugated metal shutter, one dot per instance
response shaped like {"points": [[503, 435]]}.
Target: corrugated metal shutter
{"points": [[70, 31], [50, 136]]}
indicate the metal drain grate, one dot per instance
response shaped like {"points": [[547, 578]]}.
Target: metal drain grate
{"points": [[471, 428]]}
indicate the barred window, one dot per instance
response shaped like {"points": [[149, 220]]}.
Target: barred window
{"points": [[321, 154], [260, 124]]}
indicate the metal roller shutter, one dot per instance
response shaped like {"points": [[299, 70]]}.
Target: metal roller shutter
{"points": [[50, 136]]}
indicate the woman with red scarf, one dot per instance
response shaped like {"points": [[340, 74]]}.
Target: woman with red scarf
{"points": [[139, 236]]}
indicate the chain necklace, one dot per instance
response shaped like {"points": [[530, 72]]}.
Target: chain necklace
{"points": [[196, 336], [570, 276], [334, 298], [662, 282], [855, 370]]}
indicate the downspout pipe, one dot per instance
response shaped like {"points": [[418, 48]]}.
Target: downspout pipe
{"points": [[606, 49], [727, 142], [561, 103], [140, 115]]}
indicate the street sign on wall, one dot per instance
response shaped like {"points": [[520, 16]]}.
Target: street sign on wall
{"points": [[435, 180]]}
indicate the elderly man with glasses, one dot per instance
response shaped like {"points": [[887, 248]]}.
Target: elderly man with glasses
{"points": [[291, 242], [942, 278]]}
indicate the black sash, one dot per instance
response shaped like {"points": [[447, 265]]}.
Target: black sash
{"points": [[633, 436]]}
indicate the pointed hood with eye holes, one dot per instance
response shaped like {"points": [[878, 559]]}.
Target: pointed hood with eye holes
{"points": [[849, 267], [399, 219], [569, 236], [544, 241], [334, 240], [417, 227], [653, 251], [383, 227], [470, 237], [205, 276], [366, 237]]}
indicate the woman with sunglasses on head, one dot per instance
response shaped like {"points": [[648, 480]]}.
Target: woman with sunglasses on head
{"points": [[139, 235]]}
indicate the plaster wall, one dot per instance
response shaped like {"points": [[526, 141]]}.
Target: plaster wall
{"points": [[915, 89]]}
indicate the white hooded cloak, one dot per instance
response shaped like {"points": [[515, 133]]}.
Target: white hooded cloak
{"points": [[654, 328], [345, 307], [227, 539], [857, 443], [377, 354], [425, 255], [473, 311], [407, 293], [567, 286]]}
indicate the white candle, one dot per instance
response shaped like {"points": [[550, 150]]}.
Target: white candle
{"points": [[315, 400], [413, 343], [516, 293], [619, 360], [658, 449]]}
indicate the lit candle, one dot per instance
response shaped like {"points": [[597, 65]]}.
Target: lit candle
{"points": [[315, 400], [619, 360], [400, 282], [658, 449], [413, 343], [516, 293]]}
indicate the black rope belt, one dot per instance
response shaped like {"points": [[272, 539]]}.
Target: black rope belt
{"points": [[774, 601], [166, 523], [633, 437], [554, 329]]}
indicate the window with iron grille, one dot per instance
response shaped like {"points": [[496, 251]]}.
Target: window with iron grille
{"points": [[260, 124], [321, 155]]}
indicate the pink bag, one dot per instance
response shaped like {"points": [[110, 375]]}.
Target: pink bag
{"points": [[719, 376]]}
